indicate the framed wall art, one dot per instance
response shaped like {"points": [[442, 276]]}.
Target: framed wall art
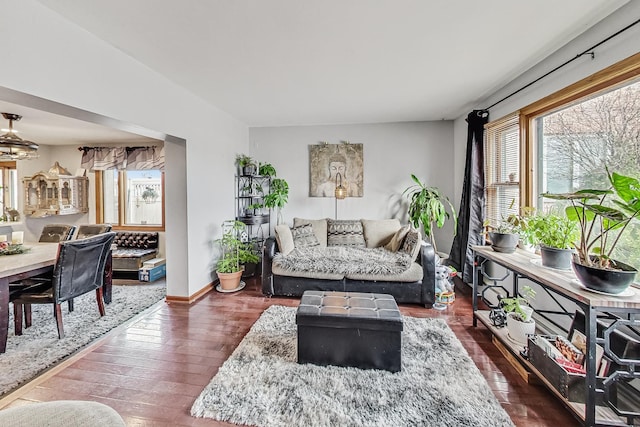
{"points": [[330, 164]]}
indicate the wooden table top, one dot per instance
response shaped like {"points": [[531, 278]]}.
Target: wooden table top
{"points": [[39, 255], [562, 281]]}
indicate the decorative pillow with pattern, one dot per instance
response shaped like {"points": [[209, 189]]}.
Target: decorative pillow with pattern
{"points": [[411, 243], [342, 232], [303, 236]]}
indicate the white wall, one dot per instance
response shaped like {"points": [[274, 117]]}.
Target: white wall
{"points": [[392, 152], [609, 53], [52, 58]]}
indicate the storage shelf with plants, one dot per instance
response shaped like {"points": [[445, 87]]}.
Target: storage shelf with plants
{"points": [[257, 192]]}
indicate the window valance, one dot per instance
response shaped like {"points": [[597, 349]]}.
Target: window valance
{"points": [[121, 158]]}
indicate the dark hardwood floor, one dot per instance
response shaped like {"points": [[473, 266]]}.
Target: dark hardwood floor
{"points": [[152, 370]]}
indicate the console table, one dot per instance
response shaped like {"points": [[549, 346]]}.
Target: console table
{"points": [[625, 311]]}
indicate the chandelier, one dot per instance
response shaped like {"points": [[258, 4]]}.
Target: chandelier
{"points": [[12, 147]]}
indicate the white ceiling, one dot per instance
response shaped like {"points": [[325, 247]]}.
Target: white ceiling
{"points": [[303, 62]]}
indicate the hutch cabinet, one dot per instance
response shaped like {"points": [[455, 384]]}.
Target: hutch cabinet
{"points": [[55, 192]]}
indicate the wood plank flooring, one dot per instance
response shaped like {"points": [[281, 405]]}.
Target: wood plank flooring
{"points": [[152, 369]]}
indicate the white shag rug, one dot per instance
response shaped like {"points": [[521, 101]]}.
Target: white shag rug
{"points": [[39, 348], [261, 384]]}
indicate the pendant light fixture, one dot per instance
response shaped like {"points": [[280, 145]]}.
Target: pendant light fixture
{"points": [[12, 147]]}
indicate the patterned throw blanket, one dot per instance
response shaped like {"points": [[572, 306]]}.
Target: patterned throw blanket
{"points": [[344, 260]]}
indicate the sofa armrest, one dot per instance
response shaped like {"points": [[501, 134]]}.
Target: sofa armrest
{"points": [[269, 249], [428, 261]]}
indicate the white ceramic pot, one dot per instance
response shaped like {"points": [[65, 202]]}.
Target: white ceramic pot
{"points": [[518, 330]]}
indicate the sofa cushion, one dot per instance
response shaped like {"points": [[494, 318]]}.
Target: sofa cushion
{"points": [[411, 243], [284, 237], [279, 271], [397, 239], [319, 228], [303, 236], [413, 274], [378, 232], [345, 232]]}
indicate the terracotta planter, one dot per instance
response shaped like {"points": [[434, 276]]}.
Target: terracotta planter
{"points": [[229, 281], [608, 281]]}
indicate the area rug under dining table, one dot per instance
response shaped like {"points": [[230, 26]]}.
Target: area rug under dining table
{"points": [[261, 383], [39, 347]]}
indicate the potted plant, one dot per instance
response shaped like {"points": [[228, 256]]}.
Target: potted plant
{"points": [[245, 164], [519, 311], [266, 169], [278, 196], [506, 235], [556, 235], [235, 253], [427, 206], [149, 195], [601, 226], [254, 209]]}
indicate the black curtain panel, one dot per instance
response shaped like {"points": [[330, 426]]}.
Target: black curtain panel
{"points": [[470, 216]]}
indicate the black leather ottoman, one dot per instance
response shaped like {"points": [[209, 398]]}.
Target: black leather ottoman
{"points": [[349, 329]]}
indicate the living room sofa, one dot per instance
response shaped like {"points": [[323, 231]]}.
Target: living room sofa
{"points": [[133, 248], [320, 258]]}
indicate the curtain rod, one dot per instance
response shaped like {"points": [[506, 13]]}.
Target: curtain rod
{"points": [[588, 51]]}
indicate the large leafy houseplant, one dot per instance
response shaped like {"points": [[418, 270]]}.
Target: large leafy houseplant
{"points": [[604, 215], [278, 196], [427, 206], [601, 224]]}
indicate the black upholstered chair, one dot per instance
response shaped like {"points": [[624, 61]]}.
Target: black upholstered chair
{"points": [[79, 269], [89, 230], [54, 233]]}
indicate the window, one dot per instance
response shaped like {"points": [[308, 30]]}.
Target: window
{"points": [[575, 144], [130, 198], [502, 169], [8, 191], [575, 133]]}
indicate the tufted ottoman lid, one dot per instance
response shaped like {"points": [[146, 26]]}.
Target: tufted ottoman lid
{"points": [[349, 310]]}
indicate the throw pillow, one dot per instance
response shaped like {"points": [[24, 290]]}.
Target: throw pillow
{"points": [[303, 236], [341, 232], [411, 243], [284, 237], [319, 228], [378, 232], [397, 239]]}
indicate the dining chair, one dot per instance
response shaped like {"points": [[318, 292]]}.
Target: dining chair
{"points": [[79, 269], [89, 230], [55, 233]]}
